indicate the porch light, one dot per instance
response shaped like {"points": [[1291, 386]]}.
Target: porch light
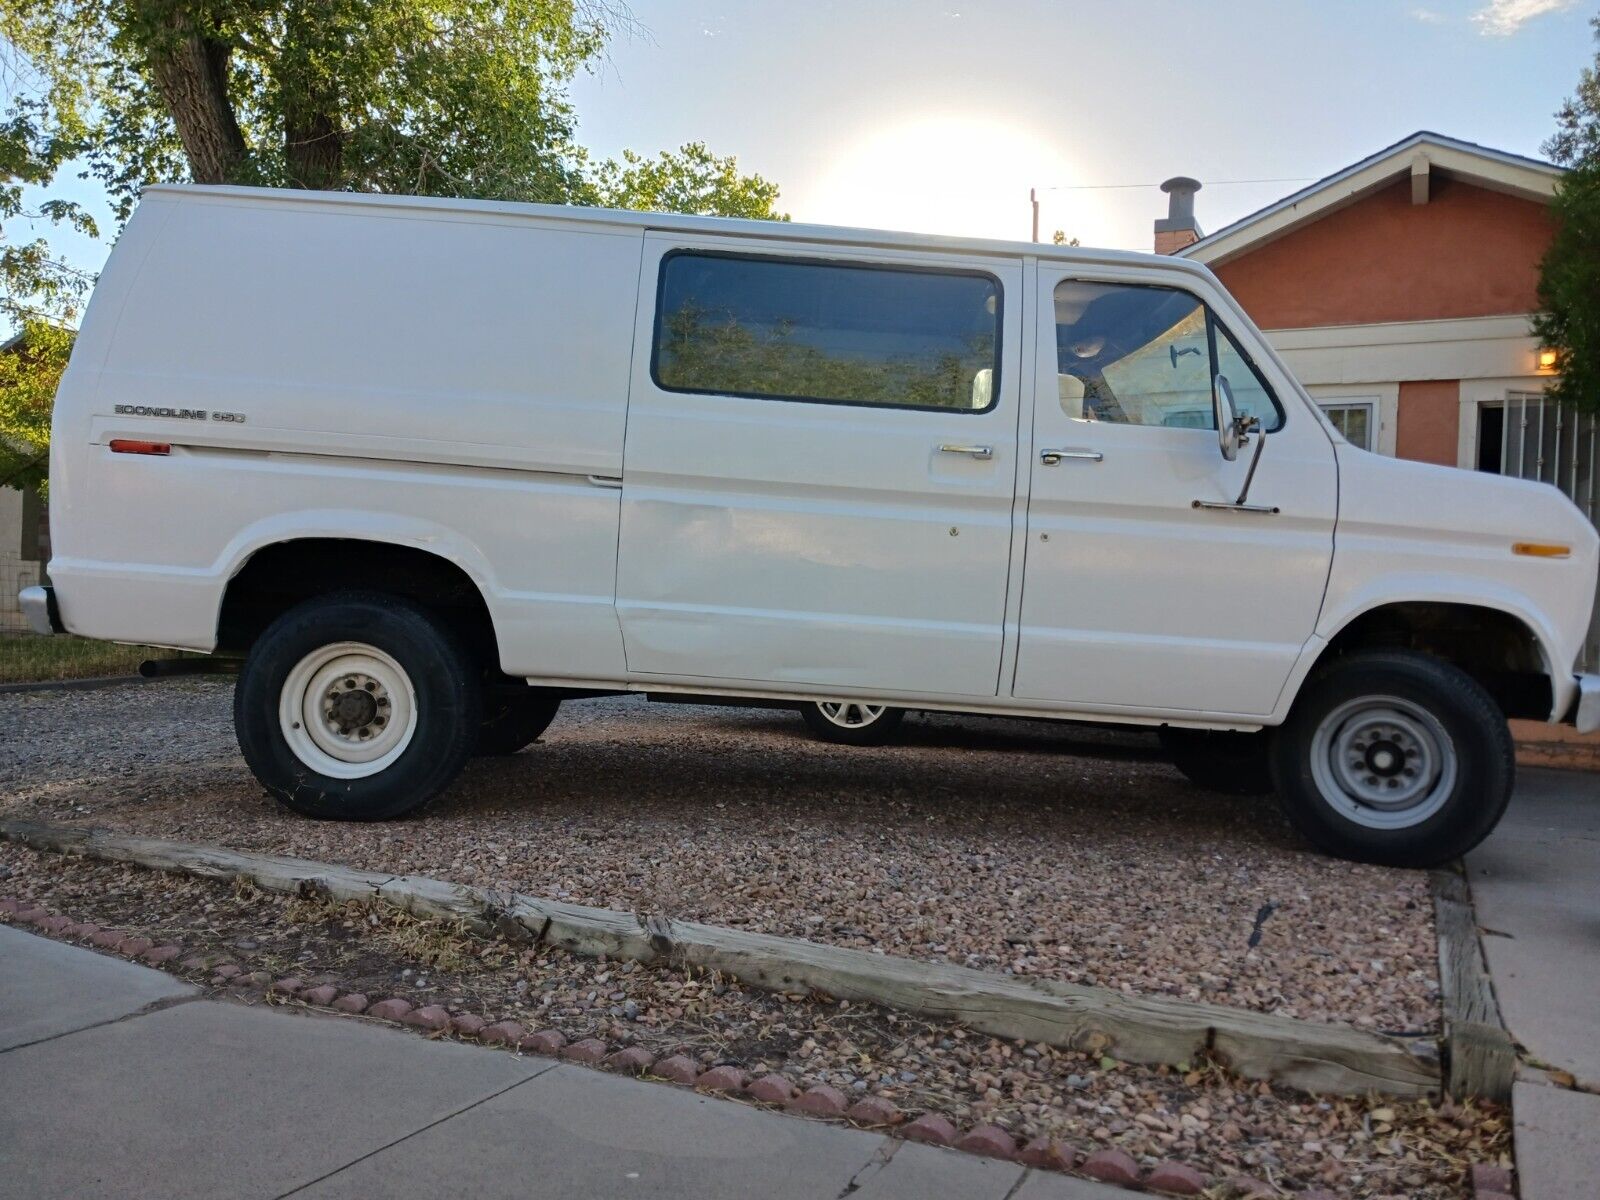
{"points": [[1547, 359]]}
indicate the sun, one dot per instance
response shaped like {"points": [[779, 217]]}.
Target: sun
{"points": [[949, 174]]}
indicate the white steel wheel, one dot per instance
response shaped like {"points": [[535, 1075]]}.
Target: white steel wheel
{"points": [[1383, 762], [347, 710], [851, 714]]}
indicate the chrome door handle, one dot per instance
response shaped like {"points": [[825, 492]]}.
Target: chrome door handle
{"points": [[983, 452], [1051, 457]]}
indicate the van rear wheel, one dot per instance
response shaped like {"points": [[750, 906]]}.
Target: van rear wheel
{"points": [[1394, 758], [356, 706], [852, 722]]}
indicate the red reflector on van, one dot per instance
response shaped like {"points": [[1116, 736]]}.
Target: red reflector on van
{"points": [[129, 446]]}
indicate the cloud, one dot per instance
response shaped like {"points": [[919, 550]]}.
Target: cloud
{"points": [[1428, 16], [1502, 18]]}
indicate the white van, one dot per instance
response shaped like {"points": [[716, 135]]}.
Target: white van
{"points": [[431, 466]]}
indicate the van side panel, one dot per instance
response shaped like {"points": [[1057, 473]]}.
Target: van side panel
{"points": [[451, 381]]}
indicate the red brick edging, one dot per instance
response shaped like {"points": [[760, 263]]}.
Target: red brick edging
{"points": [[774, 1090]]}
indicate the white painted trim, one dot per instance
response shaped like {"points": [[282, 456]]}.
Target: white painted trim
{"points": [[1389, 333], [1471, 348], [1493, 169]]}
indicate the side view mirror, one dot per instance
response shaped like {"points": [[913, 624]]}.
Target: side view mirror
{"points": [[1229, 436]]}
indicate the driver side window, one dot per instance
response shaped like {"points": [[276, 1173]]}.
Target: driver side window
{"points": [[1141, 355]]}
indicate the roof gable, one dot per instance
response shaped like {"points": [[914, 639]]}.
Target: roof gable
{"points": [[1417, 156]]}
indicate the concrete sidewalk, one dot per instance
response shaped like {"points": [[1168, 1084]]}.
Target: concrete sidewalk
{"points": [[1536, 894], [120, 1081]]}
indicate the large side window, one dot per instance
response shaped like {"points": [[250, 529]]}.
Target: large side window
{"points": [[1141, 355], [826, 332]]}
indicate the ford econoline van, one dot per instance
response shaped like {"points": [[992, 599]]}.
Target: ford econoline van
{"points": [[432, 466]]}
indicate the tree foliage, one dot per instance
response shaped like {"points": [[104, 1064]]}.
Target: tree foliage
{"points": [[30, 370], [433, 97], [39, 295], [1569, 283], [692, 180]]}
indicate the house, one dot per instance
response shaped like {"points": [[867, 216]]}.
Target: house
{"points": [[1399, 291]]}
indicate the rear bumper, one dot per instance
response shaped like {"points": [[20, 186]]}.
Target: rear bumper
{"points": [[1585, 712], [38, 605]]}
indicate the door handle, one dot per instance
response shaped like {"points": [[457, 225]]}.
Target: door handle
{"points": [[983, 452], [1051, 457]]}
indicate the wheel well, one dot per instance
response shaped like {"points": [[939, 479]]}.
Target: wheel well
{"points": [[1494, 647], [279, 576]]}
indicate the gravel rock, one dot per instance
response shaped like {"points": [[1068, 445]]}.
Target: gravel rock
{"points": [[1049, 850]]}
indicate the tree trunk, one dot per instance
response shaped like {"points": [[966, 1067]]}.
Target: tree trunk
{"points": [[313, 148], [191, 72]]}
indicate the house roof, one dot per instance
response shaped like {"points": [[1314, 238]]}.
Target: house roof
{"points": [[1417, 156]]}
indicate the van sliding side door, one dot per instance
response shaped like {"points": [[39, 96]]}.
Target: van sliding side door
{"points": [[819, 467]]}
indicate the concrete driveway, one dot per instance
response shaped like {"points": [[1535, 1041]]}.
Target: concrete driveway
{"points": [[120, 1081], [1536, 891]]}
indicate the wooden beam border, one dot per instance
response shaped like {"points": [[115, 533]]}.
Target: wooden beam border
{"points": [[1480, 1058], [1314, 1057]]}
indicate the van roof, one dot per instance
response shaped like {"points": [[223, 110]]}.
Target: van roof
{"points": [[676, 222]]}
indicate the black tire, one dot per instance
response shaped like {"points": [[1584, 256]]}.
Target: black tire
{"points": [[1234, 764], [1469, 789], [874, 731], [443, 681], [513, 722]]}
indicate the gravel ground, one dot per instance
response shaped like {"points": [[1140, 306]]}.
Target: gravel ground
{"points": [[1005, 845], [1223, 1127]]}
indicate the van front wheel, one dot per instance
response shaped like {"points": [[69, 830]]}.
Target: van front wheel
{"points": [[356, 706], [1394, 758]]}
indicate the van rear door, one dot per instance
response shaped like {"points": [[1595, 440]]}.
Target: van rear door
{"points": [[819, 467]]}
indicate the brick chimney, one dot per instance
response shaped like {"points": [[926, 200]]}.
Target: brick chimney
{"points": [[1178, 228]]}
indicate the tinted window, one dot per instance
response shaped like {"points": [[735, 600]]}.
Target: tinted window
{"points": [[1146, 356], [796, 329]]}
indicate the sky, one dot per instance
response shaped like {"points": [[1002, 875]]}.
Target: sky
{"points": [[940, 115]]}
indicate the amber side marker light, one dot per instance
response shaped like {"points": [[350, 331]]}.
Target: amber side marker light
{"points": [[129, 446], [1541, 549]]}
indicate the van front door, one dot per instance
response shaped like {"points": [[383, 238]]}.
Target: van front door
{"points": [[819, 468], [1135, 597]]}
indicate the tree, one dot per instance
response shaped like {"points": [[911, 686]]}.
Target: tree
{"points": [[1569, 281], [693, 180], [435, 97], [1059, 238], [39, 294]]}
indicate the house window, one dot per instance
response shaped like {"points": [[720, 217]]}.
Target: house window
{"points": [[1355, 419]]}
